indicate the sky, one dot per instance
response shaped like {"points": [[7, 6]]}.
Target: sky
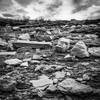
{"points": [[50, 9]]}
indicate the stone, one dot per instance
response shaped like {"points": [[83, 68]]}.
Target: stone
{"points": [[55, 81], [42, 82], [3, 43], [39, 67], [94, 51], [27, 59], [7, 53], [50, 68], [70, 85], [79, 79], [52, 88], [59, 75], [80, 50], [86, 77], [33, 44], [34, 62], [36, 57], [24, 64], [68, 57], [63, 45], [25, 36], [13, 61], [68, 74]]}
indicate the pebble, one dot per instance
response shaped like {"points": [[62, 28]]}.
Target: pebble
{"points": [[55, 81]]}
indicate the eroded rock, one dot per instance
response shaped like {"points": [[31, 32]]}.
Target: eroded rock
{"points": [[69, 85], [80, 50], [63, 45]]}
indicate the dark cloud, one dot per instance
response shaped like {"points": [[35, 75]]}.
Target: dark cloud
{"points": [[8, 15], [24, 2], [77, 1], [84, 4]]}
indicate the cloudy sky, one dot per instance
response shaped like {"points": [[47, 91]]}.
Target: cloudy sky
{"points": [[50, 9]]}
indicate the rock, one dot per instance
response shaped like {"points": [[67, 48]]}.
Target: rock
{"points": [[68, 57], [52, 88], [79, 79], [24, 53], [25, 36], [86, 77], [59, 67], [59, 75], [3, 44], [34, 62], [13, 61], [24, 64], [36, 57], [44, 81], [70, 85], [80, 50], [94, 51], [50, 68], [39, 67], [68, 74], [63, 45], [33, 44], [27, 59], [55, 81], [7, 53]]}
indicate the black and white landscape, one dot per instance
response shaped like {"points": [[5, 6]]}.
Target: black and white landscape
{"points": [[50, 50]]}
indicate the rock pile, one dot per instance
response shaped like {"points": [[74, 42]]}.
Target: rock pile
{"points": [[65, 68]]}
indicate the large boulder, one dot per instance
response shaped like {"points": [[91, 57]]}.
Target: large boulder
{"points": [[63, 45], [70, 85], [80, 50], [94, 51]]}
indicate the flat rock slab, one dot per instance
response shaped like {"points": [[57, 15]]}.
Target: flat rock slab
{"points": [[33, 44], [70, 85], [43, 81], [7, 53]]}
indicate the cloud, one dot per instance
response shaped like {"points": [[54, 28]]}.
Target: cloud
{"points": [[51, 9], [84, 4], [24, 2], [8, 15]]}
